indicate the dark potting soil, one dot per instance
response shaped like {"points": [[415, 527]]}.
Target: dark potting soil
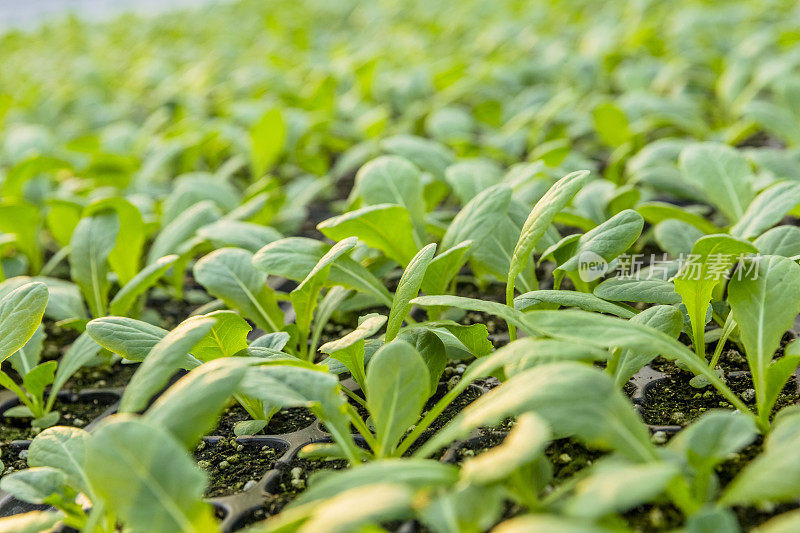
{"points": [[76, 414], [293, 480], [14, 458], [233, 466], [102, 377], [673, 401], [476, 446], [651, 518], [665, 517], [173, 311], [731, 359], [569, 456], [462, 400], [284, 421], [57, 340]]}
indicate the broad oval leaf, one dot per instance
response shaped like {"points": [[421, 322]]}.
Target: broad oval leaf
{"points": [[399, 379], [92, 241], [722, 173], [149, 480], [385, 227], [229, 274], [609, 239], [21, 312]]}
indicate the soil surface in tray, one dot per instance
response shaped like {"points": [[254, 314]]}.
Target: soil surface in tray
{"points": [[77, 414], [285, 421], [673, 401], [234, 466], [293, 480], [116, 375]]}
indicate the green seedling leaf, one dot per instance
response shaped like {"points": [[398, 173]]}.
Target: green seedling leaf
{"points": [[609, 332], [21, 312], [444, 267], [163, 360], [35, 485], [775, 474], [234, 233], [30, 522], [176, 237], [539, 220], [29, 355], [126, 254], [412, 472], [764, 306], [281, 385], [468, 178], [664, 318], [657, 212], [295, 257], [611, 124], [385, 227], [23, 220], [782, 240], [61, 218], [227, 336], [428, 155], [722, 173], [711, 259], [204, 392], [37, 379], [768, 208], [46, 420], [141, 472], [525, 442], [304, 297], [391, 180], [460, 342], [614, 487], [228, 274], [491, 220], [623, 289], [83, 350], [194, 187], [600, 415], [608, 240], [510, 315], [62, 448], [407, 289], [713, 520], [329, 304], [129, 338], [355, 508], [676, 237], [432, 350], [91, 243], [267, 140], [709, 441], [274, 341], [65, 301], [400, 380], [784, 523], [526, 353], [552, 299], [123, 301], [349, 350]]}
